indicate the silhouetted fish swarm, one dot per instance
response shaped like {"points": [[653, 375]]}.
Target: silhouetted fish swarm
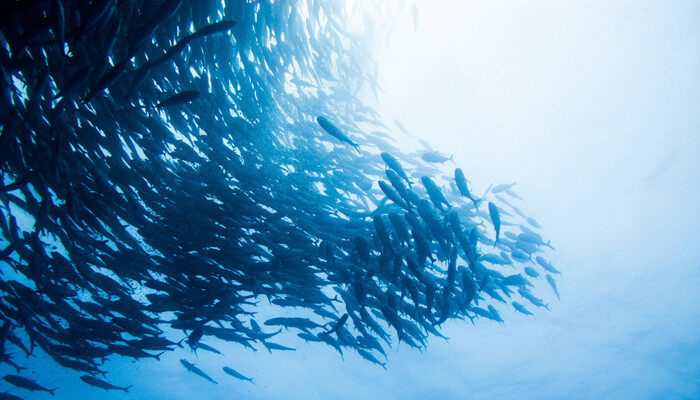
{"points": [[167, 165]]}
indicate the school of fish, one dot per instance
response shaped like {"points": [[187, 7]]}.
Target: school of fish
{"points": [[168, 165]]}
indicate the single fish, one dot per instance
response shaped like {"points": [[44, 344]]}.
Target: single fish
{"points": [[394, 164], [99, 383], [183, 97], [496, 220], [461, 182], [193, 368], [335, 132], [25, 383], [338, 324], [500, 188], [553, 284], [436, 157], [237, 374]]}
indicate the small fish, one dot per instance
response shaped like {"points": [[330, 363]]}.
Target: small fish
{"points": [[237, 374], [25, 383], [521, 308], [193, 368], [194, 337], [496, 220], [531, 272], [178, 99], [434, 192], [500, 188], [461, 182], [99, 383], [532, 222], [274, 346], [335, 132], [394, 164], [436, 157], [515, 280], [546, 265], [553, 284], [338, 324], [8, 396], [369, 357]]}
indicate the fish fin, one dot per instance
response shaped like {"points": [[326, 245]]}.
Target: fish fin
{"points": [[126, 389]]}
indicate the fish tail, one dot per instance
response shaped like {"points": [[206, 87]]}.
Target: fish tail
{"points": [[126, 389], [476, 203]]}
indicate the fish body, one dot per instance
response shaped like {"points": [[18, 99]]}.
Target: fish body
{"points": [[338, 324], [394, 164], [521, 308], [99, 383], [237, 374], [335, 132], [194, 369], [179, 99], [546, 265], [500, 188], [436, 157], [461, 182], [553, 284], [496, 220], [28, 384], [434, 192]]}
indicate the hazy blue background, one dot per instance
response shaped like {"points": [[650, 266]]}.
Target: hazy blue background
{"points": [[593, 108]]}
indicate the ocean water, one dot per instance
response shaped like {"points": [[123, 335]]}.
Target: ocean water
{"points": [[591, 108]]}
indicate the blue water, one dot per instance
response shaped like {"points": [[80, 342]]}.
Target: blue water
{"points": [[593, 108]]}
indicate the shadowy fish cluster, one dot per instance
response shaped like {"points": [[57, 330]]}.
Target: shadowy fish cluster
{"points": [[166, 165]]}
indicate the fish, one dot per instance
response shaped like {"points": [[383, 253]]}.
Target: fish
{"points": [[501, 188], [553, 284], [371, 358], [27, 384], [99, 383], [139, 217], [496, 220], [194, 369], [303, 324], [392, 195], [520, 308], [515, 280], [237, 374], [546, 265], [531, 272], [395, 166], [338, 324], [434, 192], [177, 99], [335, 132], [436, 157], [461, 182]]}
